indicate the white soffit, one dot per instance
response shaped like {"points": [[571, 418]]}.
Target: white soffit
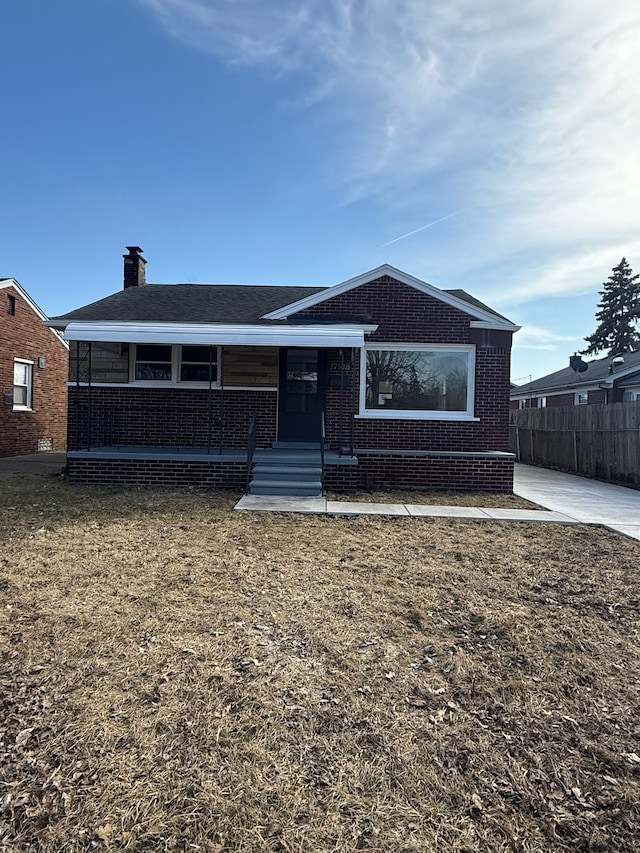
{"points": [[179, 333]]}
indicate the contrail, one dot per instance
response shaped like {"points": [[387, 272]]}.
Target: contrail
{"points": [[428, 225]]}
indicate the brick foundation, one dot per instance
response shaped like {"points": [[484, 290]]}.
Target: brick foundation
{"points": [[153, 472]]}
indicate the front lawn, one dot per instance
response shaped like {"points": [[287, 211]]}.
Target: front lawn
{"points": [[176, 676]]}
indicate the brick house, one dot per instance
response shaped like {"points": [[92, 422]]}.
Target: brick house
{"points": [[611, 379], [175, 384], [34, 363]]}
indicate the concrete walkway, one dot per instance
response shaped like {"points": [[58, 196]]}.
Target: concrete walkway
{"points": [[582, 499], [50, 462], [320, 506], [567, 500]]}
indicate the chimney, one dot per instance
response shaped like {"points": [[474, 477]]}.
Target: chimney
{"points": [[134, 264]]}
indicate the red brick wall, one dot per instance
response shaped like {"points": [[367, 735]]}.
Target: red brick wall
{"points": [[169, 417], [24, 335], [455, 473], [597, 397], [561, 400], [150, 472], [404, 315]]}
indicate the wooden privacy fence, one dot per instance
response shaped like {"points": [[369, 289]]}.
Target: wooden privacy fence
{"points": [[596, 441]]}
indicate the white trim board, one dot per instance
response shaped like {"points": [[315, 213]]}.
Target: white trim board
{"points": [[386, 269], [344, 335]]}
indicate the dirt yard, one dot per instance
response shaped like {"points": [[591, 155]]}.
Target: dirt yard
{"points": [[176, 676]]}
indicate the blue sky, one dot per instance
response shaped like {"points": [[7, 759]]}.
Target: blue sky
{"points": [[294, 142]]}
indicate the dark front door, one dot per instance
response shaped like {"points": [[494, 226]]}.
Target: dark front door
{"points": [[301, 394]]}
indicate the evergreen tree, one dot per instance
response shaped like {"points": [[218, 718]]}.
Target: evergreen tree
{"points": [[619, 311]]}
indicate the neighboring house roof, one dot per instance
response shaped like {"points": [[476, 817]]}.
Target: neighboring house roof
{"points": [[599, 371], [11, 282], [248, 304]]}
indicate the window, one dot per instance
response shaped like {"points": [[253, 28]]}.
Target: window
{"points": [[22, 385], [167, 363], [542, 402], [630, 396], [581, 399], [195, 362], [418, 382], [521, 404], [153, 362], [11, 304]]}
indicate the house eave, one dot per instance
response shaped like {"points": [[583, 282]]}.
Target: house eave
{"points": [[316, 336], [494, 325]]}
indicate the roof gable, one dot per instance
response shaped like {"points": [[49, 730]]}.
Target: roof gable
{"points": [[11, 282], [481, 314]]}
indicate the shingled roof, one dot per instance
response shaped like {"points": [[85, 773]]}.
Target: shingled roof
{"points": [[599, 370], [189, 303]]}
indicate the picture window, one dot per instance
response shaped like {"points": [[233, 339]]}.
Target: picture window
{"points": [[418, 382]]}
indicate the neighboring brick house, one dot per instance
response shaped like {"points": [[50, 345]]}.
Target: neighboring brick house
{"points": [[612, 379], [411, 382], [34, 361]]}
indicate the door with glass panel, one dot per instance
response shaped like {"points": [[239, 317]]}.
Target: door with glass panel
{"points": [[301, 394]]}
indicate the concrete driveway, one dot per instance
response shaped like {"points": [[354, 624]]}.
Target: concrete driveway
{"points": [[589, 501], [33, 463]]}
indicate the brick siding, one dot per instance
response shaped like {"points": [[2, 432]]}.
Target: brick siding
{"points": [[169, 417], [24, 335], [151, 472]]}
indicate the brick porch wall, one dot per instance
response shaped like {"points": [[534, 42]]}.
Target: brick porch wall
{"points": [[169, 417], [151, 472]]}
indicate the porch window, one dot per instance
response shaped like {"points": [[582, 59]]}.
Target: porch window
{"points": [[22, 385], [195, 362], [153, 362], [418, 382], [175, 364]]}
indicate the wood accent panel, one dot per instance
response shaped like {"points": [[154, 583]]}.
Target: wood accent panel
{"points": [[251, 366]]}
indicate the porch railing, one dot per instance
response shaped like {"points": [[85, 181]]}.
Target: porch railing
{"points": [[251, 449]]}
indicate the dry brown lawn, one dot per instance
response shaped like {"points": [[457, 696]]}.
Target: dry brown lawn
{"points": [[176, 676]]}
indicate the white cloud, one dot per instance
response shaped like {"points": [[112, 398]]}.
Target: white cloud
{"points": [[537, 338], [524, 114]]}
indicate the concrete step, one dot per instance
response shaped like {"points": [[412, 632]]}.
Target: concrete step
{"points": [[263, 471], [296, 445], [285, 488], [287, 457]]}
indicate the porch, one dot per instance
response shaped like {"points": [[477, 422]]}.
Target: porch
{"points": [[289, 470]]}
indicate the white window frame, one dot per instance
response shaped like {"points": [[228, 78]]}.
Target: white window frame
{"points": [[17, 407], [418, 414], [577, 401], [542, 402], [176, 361]]}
